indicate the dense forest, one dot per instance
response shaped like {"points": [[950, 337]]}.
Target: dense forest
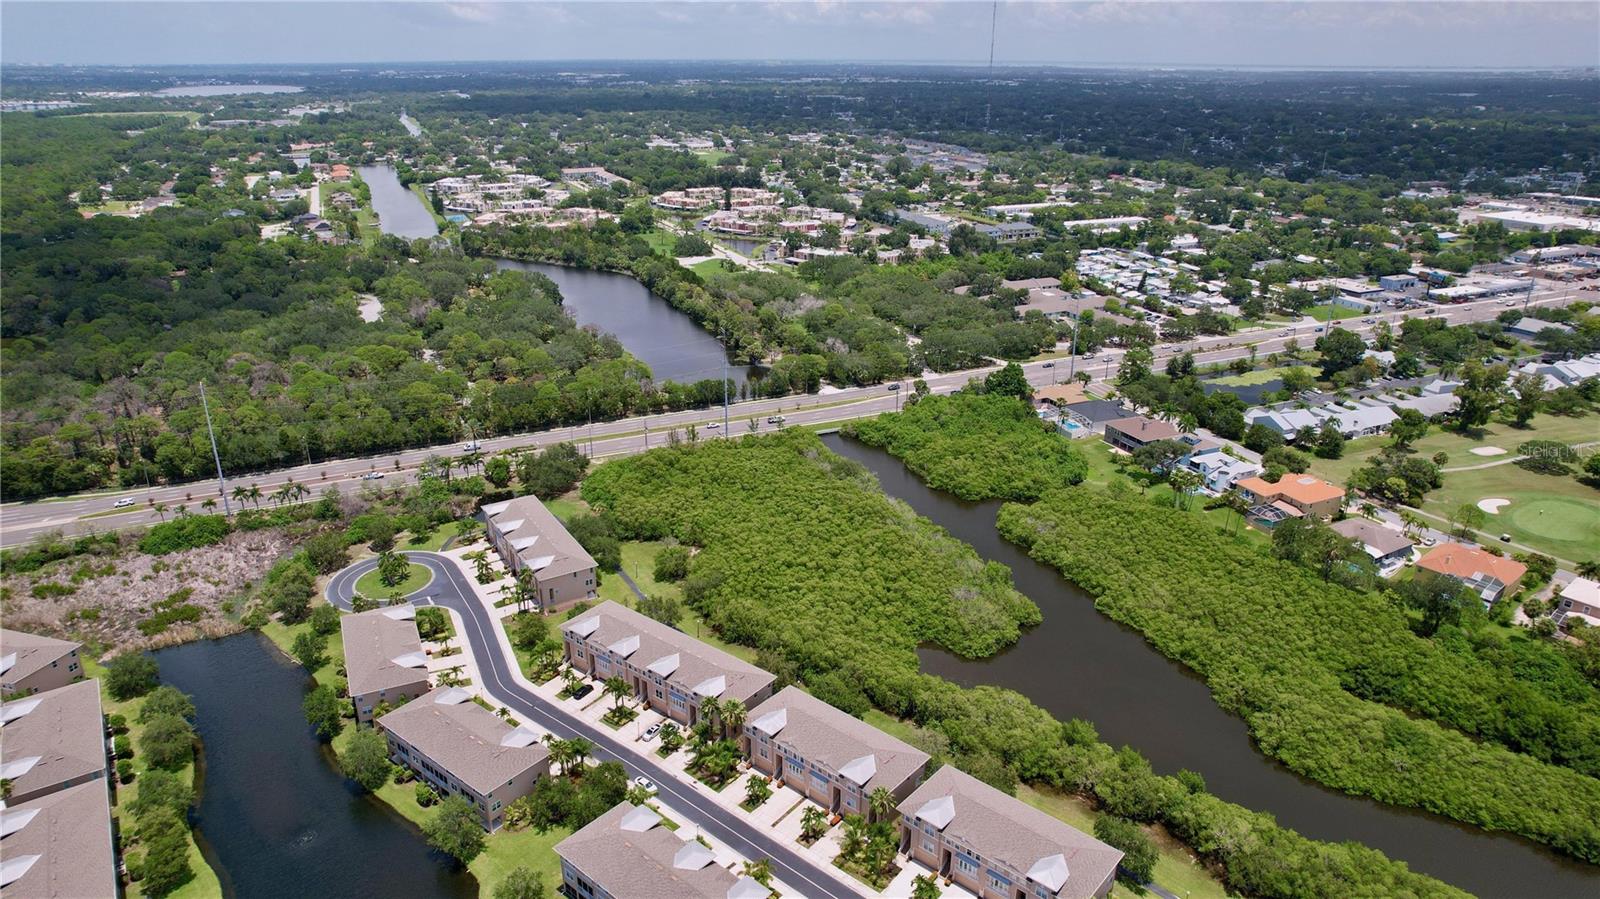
{"points": [[802, 556]]}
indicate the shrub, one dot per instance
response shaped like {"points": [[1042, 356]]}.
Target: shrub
{"points": [[309, 649], [166, 700], [122, 747], [167, 742], [433, 623], [672, 563], [125, 771], [324, 620], [366, 761], [327, 553], [162, 789], [1139, 851], [165, 865], [131, 674], [425, 795], [184, 532]]}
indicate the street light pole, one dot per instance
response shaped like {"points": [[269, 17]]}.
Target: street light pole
{"points": [[222, 483], [724, 384]]}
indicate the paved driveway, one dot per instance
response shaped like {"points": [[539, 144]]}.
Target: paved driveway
{"points": [[449, 588]]}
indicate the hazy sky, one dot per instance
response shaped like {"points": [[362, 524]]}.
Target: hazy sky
{"points": [[1196, 32]]}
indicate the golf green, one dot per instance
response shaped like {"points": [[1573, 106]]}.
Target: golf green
{"points": [[1557, 519]]}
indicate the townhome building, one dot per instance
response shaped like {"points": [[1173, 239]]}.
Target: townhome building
{"points": [[999, 847], [463, 749], [531, 539], [830, 757], [59, 845], [629, 853], [31, 664], [383, 658], [670, 671], [53, 740]]}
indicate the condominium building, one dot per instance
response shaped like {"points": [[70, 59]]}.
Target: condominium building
{"points": [[530, 538], [463, 749], [669, 670], [383, 658], [53, 740], [629, 853], [30, 663], [835, 760], [999, 847], [59, 846]]}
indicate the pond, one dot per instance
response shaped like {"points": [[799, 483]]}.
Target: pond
{"points": [[223, 90], [275, 818], [1250, 393], [1081, 664], [400, 212], [675, 348]]}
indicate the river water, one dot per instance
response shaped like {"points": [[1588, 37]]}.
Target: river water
{"points": [[400, 212], [1081, 664], [675, 348], [275, 819]]}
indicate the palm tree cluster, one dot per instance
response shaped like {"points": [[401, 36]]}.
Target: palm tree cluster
{"points": [[871, 843]]}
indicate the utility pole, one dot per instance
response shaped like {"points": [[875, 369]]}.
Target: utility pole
{"points": [[1077, 325], [724, 383], [988, 93], [222, 483]]}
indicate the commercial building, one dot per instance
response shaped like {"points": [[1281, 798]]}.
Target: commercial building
{"points": [[1490, 576], [530, 538], [53, 740], [383, 658], [59, 846], [628, 853], [1292, 496], [30, 663], [667, 669], [463, 749], [1129, 434], [830, 757], [999, 847]]}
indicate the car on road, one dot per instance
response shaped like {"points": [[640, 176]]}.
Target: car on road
{"points": [[471, 446], [124, 503], [645, 783], [712, 426], [372, 476], [651, 731], [775, 419], [1048, 365], [1368, 321], [895, 386], [1319, 329], [583, 691], [1505, 538]]}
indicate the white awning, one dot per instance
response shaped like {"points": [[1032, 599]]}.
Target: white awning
{"points": [[12, 869], [585, 627], [11, 769], [938, 812], [693, 856], [711, 686], [663, 666], [748, 887], [1049, 872], [7, 662], [506, 527], [411, 660], [406, 612], [523, 735], [11, 711], [860, 770], [452, 696], [13, 820], [640, 819], [625, 647], [772, 722]]}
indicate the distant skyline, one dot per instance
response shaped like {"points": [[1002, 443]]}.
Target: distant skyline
{"points": [[1308, 34]]}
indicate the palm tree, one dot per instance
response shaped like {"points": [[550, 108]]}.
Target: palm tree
{"points": [[560, 752], [813, 823], [581, 749], [711, 712], [240, 494], [480, 561], [254, 495], [504, 713], [1368, 510], [298, 491], [733, 717], [470, 460], [881, 803], [1589, 569], [759, 870], [161, 509], [209, 504], [617, 689], [854, 837]]}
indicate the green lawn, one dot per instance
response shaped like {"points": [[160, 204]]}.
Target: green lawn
{"points": [[660, 240], [282, 635], [564, 507], [1457, 446], [434, 541], [1554, 514], [1334, 312], [707, 268], [1252, 378], [204, 884], [371, 586]]}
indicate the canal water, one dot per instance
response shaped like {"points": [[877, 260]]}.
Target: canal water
{"points": [[275, 818], [1081, 664], [400, 212], [675, 348]]}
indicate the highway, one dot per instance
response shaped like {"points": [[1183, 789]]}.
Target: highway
{"points": [[495, 667], [21, 522]]}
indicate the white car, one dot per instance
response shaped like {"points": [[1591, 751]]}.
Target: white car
{"points": [[645, 783], [372, 476], [124, 503], [471, 446], [651, 731], [712, 426]]}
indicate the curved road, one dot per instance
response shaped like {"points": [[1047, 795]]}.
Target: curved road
{"points": [[450, 589]]}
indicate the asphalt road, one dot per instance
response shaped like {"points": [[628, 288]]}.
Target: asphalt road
{"points": [[450, 589], [21, 522]]}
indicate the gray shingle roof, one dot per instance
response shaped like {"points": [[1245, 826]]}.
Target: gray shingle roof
{"points": [[644, 860], [53, 737], [463, 738], [21, 654], [59, 846], [552, 541], [821, 733], [1006, 830], [697, 662], [1373, 535], [377, 646]]}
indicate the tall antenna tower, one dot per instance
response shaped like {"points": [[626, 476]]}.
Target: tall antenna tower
{"points": [[988, 94]]}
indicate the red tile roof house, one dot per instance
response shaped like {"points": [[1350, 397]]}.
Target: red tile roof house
{"points": [[1490, 576], [999, 847], [464, 749], [31, 664], [835, 760], [1292, 496], [668, 669], [1129, 434]]}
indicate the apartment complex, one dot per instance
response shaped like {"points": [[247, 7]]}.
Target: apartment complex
{"points": [[835, 760], [530, 538], [464, 749], [999, 847], [30, 663], [59, 846], [383, 658], [628, 853], [53, 740], [669, 670]]}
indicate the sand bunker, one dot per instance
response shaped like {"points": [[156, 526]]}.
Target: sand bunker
{"points": [[1487, 451], [1493, 505]]}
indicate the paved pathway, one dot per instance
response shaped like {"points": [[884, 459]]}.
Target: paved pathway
{"points": [[450, 589]]}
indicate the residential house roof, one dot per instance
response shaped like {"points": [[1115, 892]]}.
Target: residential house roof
{"points": [[825, 735], [58, 846], [539, 537], [1584, 590], [466, 739], [21, 654], [668, 652], [1429, 406], [382, 650], [52, 737], [1377, 540], [1363, 418], [1472, 566], [1145, 429], [1033, 845], [1060, 394], [1098, 411], [1302, 488], [628, 852]]}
